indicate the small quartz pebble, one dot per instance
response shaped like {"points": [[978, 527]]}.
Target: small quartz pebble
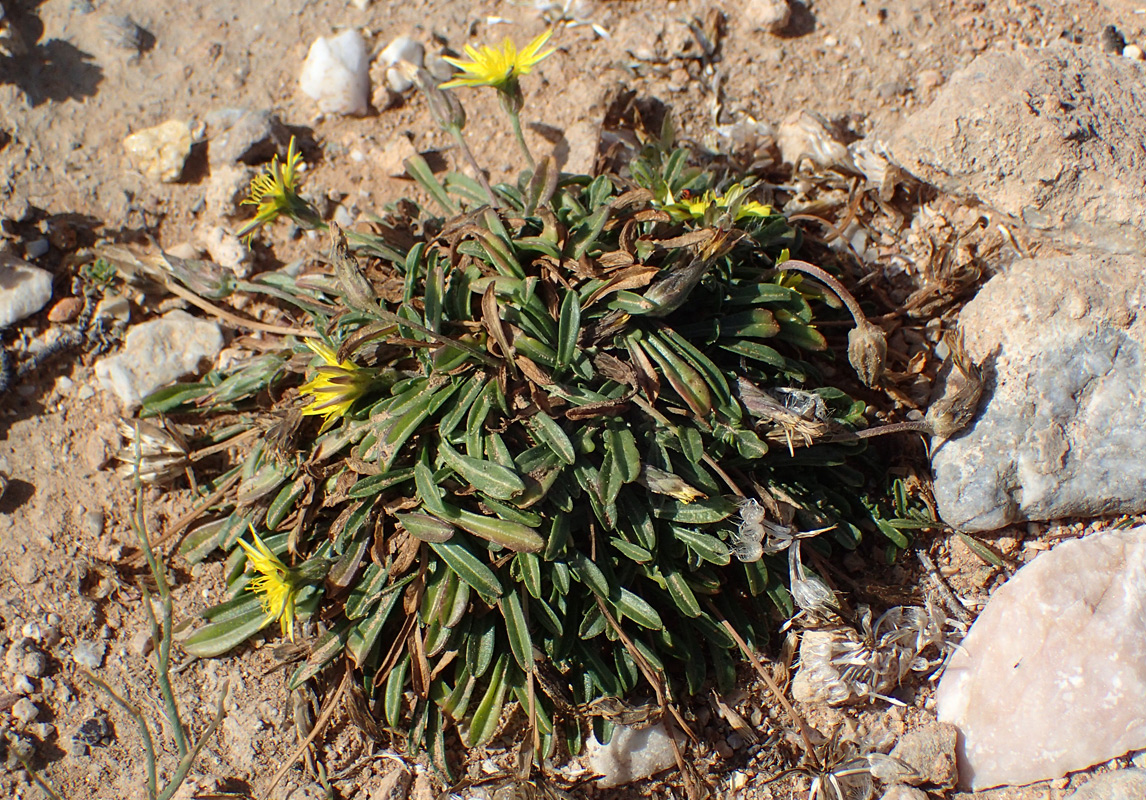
{"points": [[160, 152], [228, 250], [630, 755], [25, 710], [336, 74], [930, 753], [768, 15], [1134, 52], [89, 653], [24, 289], [1051, 678], [37, 248]]}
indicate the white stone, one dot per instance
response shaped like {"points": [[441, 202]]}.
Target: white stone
{"points": [[25, 710], [1051, 678], [160, 152], [769, 15], [24, 289], [228, 250], [630, 755], [397, 80], [89, 653], [1134, 52], [804, 135], [336, 73], [403, 48], [158, 352]]}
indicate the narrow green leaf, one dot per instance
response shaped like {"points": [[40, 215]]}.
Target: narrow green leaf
{"points": [[699, 512], [218, 638], [568, 328], [469, 567], [509, 534], [549, 433], [708, 547], [517, 629], [485, 476], [638, 610], [426, 528], [682, 594], [395, 688], [420, 171], [487, 715]]}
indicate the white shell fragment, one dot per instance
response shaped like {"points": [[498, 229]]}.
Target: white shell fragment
{"points": [[336, 74], [1052, 677]]}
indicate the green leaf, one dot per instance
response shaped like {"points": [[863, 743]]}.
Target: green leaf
{"points": [[218, 638], [365, 634], [468, 567], [517, 629], [699, 512], [493, 479], [487, 716], [568, 328], [512, 535], [549, 433], [755, 351], [329, 645], [589, 574], [709, 548], [426, 528], [621, 443], [420, 171], [682, 594], [638, 610], [395, 688]]}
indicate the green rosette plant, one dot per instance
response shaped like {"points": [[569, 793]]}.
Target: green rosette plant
{"points": [[569, 427]]}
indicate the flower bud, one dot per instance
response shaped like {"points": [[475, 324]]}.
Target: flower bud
{"points": [[867, 350]]}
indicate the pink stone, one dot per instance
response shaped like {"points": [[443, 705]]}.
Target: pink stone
{"points": [[1052, 676]]}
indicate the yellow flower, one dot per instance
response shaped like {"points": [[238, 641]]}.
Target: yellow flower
{"points": [[694, 208], [335, 386], [497, 67], [276, 582], [275, 192]]}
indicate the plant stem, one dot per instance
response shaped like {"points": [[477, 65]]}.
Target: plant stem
{"points": [[460, 138], [161, 638], [515, 120], [144, 731]]}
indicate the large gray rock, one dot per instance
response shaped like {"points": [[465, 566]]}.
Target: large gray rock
{"points": [[1051, 136], [1051, 677], [24, 289], [1061, 429], [157, 353]]}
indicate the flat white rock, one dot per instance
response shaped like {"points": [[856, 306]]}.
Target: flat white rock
{"points": [[1052, 676], [24, 289], [336, 74], [630, 755], [158, 352]]}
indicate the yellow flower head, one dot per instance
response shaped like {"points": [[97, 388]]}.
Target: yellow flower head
{"points": [[497, 67], [275, 192], [335, 386], [276, 582], [688, 207]]}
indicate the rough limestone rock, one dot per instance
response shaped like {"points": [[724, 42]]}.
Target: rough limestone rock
{"points": [[630, 755], [1051, 136], [244, 136], [930, 752], [157, 352], [1052, 676], [24, 289], [1125, 784], [160, 152], [1061, 429]]}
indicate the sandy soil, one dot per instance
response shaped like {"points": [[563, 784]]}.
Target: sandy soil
{"points": [[66, 546]]}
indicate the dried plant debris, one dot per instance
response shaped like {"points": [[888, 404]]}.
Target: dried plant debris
{"points": [[843, 664]]}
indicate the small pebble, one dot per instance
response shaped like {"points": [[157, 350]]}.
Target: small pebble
{"points": [[21, 685], [32, 630], [37, 248], [1112, 40], [160, 152], [35, 664], [89, 654], [1134, 52], [141, 643], [25, 710], [93, 523], [43, 730], [723, 750]]}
